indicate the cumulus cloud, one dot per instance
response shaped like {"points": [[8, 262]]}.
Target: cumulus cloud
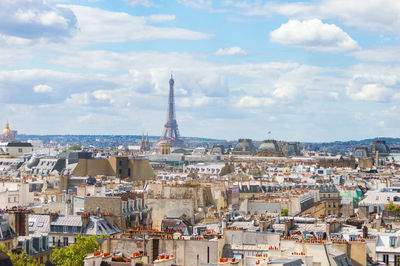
{"points": [[368, 15], [231, 51], [42, 88], [285, 91], [313, 34], [33, 86], [376, 87], [35, 19], [98, 25]]}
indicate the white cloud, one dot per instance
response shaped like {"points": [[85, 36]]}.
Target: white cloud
{"points": [[379, 54], [145, 3], [42, 88], [78, 99], [194, 101], [160, 18], [231, 51], [369, 15], [374, 83], [285, 91], [313, 35], [98, 25], [35, 19], [251, 101], [196, 3], [369, 92]]}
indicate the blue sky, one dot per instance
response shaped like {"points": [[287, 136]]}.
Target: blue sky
{"points": [[318, 70]]}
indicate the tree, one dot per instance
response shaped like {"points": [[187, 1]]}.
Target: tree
{"points": [[20, 259], [75, 147], [284, 212], [76, 253]]}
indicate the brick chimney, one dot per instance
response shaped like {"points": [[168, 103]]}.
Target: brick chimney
{"points": [[85, 219], [365, 231], [288, 226], [53, 216]]}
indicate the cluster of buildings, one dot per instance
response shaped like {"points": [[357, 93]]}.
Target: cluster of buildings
{"points": [[166, 204]]}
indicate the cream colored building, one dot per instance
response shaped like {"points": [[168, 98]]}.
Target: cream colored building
{"points": [[15, 149]]}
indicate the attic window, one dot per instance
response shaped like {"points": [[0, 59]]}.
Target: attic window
{"points": [[392, 241]]}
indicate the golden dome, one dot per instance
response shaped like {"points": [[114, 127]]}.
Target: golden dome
{"points": [[7, 131]]}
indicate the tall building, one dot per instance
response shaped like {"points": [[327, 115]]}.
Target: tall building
{"points": [[7, 135], [171, 133]]}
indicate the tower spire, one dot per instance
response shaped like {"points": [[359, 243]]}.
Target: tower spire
{"points": [[171, 132]]}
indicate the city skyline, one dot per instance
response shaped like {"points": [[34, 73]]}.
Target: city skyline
{"points": [[306, 71]]}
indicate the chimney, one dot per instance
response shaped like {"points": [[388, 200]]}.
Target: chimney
{"points": [[18, 219], [289, 223], [85, 220], [53, 216], [365, 231]]}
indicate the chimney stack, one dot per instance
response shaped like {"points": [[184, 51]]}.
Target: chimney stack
{"points": [[365, 231]]}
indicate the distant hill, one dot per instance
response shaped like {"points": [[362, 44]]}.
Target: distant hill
{"points": [[116, 140], [347, 146], [104, 140]]}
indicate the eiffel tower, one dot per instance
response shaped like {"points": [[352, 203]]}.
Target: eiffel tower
{"points": [[171, 133]]}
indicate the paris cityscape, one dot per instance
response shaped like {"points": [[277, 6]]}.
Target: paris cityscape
{"points": [[199, 132]]}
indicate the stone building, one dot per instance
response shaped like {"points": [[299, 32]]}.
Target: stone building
{"points": [[119, 166], [330, 195]]}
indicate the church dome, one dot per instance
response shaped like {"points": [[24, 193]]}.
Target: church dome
{"points": [[7, 135], [7, 131]]}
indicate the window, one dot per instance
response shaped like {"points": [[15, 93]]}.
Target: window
{"points": [[120, 163], [377, 197], [40, 224], [392, 241], [65, 242], [396, 259], [386, 259], [20, 150], [120, 171], [54, 240]]}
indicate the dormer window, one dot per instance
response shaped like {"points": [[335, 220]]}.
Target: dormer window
{"points": [[393, 241]]}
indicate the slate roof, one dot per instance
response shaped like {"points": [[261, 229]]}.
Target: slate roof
{"points": [[97, 226], [328, 189], [68, 220], [38, 224], [19, 144]]}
